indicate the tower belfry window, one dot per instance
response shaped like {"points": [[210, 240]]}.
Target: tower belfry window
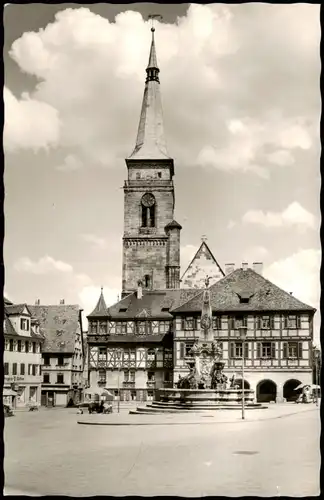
{"points": [[148, 210]]}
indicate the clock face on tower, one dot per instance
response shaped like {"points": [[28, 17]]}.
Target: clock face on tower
{"points": [[148, 200]]}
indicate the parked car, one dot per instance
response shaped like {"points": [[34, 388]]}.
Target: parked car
{"points": [[95, 407], [8, 411]]}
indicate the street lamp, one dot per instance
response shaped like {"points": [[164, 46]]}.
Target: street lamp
{"points": [[316, 359], [119, 355], [242, 332]]}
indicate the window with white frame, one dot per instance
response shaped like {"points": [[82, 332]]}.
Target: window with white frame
{"points": [[265, 322], [217, 322], [292, 321], [292, 350], [189, 323], [185, 348], [24, 324], [266, 350], [103, 327]]}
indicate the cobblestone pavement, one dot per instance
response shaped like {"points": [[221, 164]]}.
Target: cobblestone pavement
{"points": [[48, 453]]}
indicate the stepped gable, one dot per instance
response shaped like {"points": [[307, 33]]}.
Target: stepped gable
{"points": [[59, 325], [203, 264], [263, 295]]}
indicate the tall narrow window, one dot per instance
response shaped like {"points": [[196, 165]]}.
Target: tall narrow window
{"points": [[11, 345], [6, 368], [22, 368], [148, 210], [147, 281], [19, 346], [14, 368]]}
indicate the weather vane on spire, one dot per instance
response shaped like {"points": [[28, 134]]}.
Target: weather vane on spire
{"points": [[153, 17]]}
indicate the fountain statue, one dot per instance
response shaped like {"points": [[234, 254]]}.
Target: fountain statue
{"points": [[205, 357], [206, 386]]}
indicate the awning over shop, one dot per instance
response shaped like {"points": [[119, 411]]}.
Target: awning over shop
{"points": [[100, 392], [8, 392]]}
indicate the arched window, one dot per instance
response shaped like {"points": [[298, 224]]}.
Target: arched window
{"points": [[148, 210]]}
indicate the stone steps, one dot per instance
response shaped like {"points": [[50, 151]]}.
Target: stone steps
{"points": [[158, 407]]}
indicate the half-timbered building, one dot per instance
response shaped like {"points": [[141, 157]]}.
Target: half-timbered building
{"points": [[141, 343]]}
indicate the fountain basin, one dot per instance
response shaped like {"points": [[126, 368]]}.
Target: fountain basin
{"points": [[206, 397]]}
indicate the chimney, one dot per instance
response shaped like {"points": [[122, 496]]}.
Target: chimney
{"points": [[229, 268], [245, 265], [37, 302], [258, 267], [62, 302], [139, 290]]}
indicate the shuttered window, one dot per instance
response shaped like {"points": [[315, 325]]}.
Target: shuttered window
{"points": [[232, 350], [6, 368], [22, 368], [258, 350], [292, 321], [182, 350], [14, 368], [285, 350], [300, 350], [273, 350], [246, 349], [217, 322]]}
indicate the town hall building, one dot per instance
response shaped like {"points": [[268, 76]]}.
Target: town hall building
{"points": [[141, 343]]}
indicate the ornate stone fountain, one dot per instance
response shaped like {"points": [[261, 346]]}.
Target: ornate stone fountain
{"points": [[206, 386]]}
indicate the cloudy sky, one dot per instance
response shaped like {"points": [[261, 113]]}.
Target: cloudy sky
{"points": [[241, 101]]}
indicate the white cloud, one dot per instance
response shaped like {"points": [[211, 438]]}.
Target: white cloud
{"points": [[281, 157], [293, 215], [187, 253], [89, 296], [44, 265], [255, 254], [96, 241], [246, 140], [70, 163], [29, 123], [92, 72], [298, 273]]}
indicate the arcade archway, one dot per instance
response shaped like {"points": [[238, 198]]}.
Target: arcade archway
{"points": [[266, 391], [289, 392], [238, 382]]}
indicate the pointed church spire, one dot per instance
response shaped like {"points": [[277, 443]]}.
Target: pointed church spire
{"points": [[101, 308], [150, 142]]}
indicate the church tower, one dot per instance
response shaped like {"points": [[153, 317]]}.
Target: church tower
{"points": [[151, 241]]}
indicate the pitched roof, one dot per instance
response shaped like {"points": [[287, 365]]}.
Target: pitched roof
{"points": [[264, 295], [100, 311], [7, 302], [13, 310], [203, 264], [150, 142], [59, 325], [8, 327], [156, 303]]}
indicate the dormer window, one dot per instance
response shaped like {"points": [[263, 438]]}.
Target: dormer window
{"points": [[24, 324], [245, 297], [165, 309], [123, 309]]}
